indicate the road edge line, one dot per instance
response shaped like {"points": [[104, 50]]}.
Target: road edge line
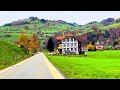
{"points": [[55, 73]]}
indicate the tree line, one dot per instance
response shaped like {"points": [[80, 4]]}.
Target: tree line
{"points": [[29, 44]]}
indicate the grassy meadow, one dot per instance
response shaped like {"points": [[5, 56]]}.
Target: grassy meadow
{"points": [[98, 65], [115, 25], [14, 36]]}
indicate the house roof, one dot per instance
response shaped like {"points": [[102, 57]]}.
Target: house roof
{"points": [[60, 37], [63, 37], [69, 35]]}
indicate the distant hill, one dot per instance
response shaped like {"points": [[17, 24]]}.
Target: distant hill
{"points": [[36, 20], [35, 25], [46, 28]]}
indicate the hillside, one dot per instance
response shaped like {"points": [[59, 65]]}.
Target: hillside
{"points": [[41, 27], [36, 24], [10, 54], [115, 25], [46, 28]]}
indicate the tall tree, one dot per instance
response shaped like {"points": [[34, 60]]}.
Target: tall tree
{"points": [[23, 41], [34, 44], [50, 45]]}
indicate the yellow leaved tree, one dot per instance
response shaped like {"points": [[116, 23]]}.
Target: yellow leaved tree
{"points": [[34, 44], [23, 41], [90, 47]]}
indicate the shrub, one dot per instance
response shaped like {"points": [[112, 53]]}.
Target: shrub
{"points": [[117, 20], [8, 35], [107, 48], [101, 49], [91, 47]]}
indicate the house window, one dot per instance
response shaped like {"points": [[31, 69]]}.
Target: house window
{"points": [[75, 49], [64, 49], [64, 40], [67, 44], [64, 45], [71, 49], [71, 44], [67, 39], [75, 44], [67, 48], [75, 40], [71, 39]]}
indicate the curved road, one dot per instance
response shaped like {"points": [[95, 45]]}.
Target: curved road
{"points": [[36, 67]]}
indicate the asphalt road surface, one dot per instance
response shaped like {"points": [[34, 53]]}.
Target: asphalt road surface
{"points": [[36, 67]]}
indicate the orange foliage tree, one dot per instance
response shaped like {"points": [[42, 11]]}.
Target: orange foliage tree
{"points": [[90, 47], [31, 44], [34, 44], [23, 41]]}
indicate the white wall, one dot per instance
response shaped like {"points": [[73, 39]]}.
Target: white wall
{"points": [[70, 42]]}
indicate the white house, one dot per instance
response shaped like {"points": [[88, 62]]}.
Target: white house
{"points": [[68, 43]]}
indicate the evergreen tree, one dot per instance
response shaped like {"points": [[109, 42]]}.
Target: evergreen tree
{"points": [[50, 45]]}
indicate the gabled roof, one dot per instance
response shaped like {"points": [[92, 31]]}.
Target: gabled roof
{"points": [[60, 37], [67, 35]]}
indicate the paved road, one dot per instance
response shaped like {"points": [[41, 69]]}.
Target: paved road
{"points": [[36, 67]]}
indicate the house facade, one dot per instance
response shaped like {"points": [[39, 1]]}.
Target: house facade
{"points": [[68, 43]]}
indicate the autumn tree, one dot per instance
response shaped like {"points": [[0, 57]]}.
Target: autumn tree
{"points": [[91, 47], [94, 27], [23, 42], [34, 44]]}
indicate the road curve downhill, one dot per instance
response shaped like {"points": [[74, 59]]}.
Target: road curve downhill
{"points": [[36, 67]]}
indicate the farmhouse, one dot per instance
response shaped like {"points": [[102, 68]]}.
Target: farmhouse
{"points": [[68, 43]]}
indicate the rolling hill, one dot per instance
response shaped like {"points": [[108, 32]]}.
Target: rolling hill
{"points": [[35, 25], [45, 28]]}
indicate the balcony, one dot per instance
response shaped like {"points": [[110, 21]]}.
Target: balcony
{"points": [[60, 46]]}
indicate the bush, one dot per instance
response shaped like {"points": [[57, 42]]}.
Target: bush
{"points": [[107, 48], [8, 35], [117, 20], [91, 47], [101, 49]]}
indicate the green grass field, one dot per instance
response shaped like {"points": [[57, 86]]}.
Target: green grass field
{"points": [[115, 25], [98, 65], [14, 36]]}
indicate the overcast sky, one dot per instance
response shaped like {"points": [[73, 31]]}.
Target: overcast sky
{"points": [[79, 17]]}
